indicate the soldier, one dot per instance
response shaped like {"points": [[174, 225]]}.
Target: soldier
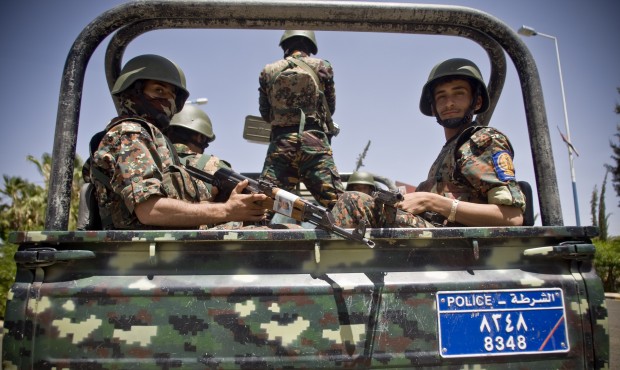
{"points": [[138, 179], [191, 132], [472, 182], [361, 181], [297, 96]]}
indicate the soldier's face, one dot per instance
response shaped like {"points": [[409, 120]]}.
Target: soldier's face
{"points": [[159, 90], [364, 188], [453, 99]]}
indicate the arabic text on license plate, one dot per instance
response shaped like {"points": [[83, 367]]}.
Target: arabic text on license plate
{"points": [[501, 322]]}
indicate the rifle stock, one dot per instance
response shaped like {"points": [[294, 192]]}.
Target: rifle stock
{"points": [[388, 200], [280, 201]]}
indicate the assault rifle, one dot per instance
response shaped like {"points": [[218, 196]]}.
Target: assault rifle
{"points": [[281, 201], [388, 199]]}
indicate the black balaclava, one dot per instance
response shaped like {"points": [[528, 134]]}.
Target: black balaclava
{"points": [[134, 102]]}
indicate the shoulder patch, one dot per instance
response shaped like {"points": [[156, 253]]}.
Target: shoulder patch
{"points": [[129, 127], [502, 162]]}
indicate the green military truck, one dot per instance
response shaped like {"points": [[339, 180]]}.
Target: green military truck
{"points": [[447, 298]]}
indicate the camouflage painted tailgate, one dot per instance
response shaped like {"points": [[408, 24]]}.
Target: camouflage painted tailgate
{"points": [[282, 299]]}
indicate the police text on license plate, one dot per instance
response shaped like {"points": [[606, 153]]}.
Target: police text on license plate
{"points": [[501, 322]]}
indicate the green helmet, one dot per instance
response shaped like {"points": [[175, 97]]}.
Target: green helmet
{"points": [[195, 119], [307, 34], [457, 67], [152, 67], [359, 177]]}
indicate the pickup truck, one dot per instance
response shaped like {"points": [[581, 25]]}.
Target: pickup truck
{"points": [[521, 297]]}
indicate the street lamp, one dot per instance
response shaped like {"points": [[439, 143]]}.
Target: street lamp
{"points": [[529, 31], [198, 101]]}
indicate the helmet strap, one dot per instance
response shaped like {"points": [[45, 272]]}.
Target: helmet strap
{"points": [[466, 119]]}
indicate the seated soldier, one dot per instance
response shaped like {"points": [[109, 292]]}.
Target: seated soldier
{"points": [[191, 132], [360, 181], [138, 179], [472, 182]]}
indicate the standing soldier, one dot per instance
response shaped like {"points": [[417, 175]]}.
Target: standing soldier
{"points": [[298, 97]]}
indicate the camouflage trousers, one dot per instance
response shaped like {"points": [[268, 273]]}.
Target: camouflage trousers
{"points": [[292, 159], [353, 206]]}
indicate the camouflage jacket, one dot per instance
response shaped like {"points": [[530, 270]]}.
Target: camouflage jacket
{"points": [[476, 166], [132, 163], [205, 162], [325, 74]]}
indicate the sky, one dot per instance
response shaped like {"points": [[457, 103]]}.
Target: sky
{"points": [[378, 82]]}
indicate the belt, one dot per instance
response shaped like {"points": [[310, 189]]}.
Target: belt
{"points": [[281, 130]]}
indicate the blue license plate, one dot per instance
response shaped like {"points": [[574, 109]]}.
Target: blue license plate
{"points": [[501, 322]]}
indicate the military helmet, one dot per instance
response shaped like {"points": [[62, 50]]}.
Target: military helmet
{"points": [[360, 177], [302, 33], [457, 67], [153, 67], [195, 119]]}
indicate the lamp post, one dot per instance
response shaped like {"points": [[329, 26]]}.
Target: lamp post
{"points": [[529, 31], [198, 101]]}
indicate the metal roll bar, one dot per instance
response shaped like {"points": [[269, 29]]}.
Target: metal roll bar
{"points": [[133, 19]]}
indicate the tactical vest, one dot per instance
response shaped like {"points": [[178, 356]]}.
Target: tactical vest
{"points": [[295, 91], [175, 181]]}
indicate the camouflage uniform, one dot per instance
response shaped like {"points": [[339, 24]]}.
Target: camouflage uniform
{"points": [[470, 167], [308, 157], [136, 162], [205, 162]]}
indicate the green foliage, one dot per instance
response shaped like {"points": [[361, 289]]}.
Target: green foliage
{"points": [[607, 263], [22, 208], [615, 170], [603, 217], [594, 206], [7, 273]]}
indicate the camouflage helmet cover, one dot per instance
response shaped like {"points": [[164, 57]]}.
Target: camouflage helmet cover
{"points": [[302, 33], [360, 177], [152, 67], [457, 67], [195, 119]]}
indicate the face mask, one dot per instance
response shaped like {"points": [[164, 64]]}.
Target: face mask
{"points": [[157, 110]]}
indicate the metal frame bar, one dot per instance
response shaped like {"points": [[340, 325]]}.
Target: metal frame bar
{"points": [[133, 19]]}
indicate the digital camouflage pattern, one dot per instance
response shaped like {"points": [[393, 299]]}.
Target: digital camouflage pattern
{"points": [[206, 162], [473, 167], [309, 300], [135, 161], [293, 158], [280, 104], [288, 299], [308, 158], [353, 206]]}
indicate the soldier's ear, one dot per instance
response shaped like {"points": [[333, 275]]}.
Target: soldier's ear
{"points": [[478, 102]]}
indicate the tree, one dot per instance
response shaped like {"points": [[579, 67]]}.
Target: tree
{"points": [[22, 207], [44, 166], [603, 218], [607, 263], [594, 206], [615, 170]]}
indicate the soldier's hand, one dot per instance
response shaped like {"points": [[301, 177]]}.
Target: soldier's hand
{"points": [[245, 207]]}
